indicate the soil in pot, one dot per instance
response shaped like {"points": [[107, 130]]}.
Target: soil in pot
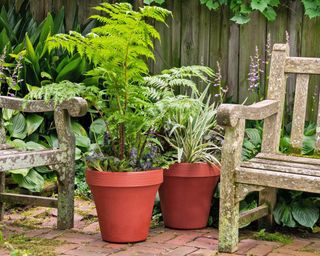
{"points": [[124, 202], [186, 194]]}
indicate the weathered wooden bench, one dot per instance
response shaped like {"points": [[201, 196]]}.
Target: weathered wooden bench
{"points": [[62, 160], [269, 170]]}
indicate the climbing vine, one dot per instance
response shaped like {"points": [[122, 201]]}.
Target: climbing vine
{"points": [[242, 9]]}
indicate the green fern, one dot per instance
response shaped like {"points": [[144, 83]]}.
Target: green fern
{"points": [[119, 49], [58, 92]]}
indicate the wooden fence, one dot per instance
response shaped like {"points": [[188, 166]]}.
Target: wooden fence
{"points": [[196, 35]]}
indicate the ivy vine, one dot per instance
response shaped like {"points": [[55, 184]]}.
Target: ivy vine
{"points": [[242, 9]]}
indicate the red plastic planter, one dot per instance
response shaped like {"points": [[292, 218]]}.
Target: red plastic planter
{"points": [[124, 202], [186, 194]]}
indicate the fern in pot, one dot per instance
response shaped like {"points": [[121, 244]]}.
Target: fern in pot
{"points": [[188, 186], [122, 169]]}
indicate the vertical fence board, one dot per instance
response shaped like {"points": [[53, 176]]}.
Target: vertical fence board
{"points": [[295, 29], [251, 35], [310, 48], [163, 48], [219, 37], [176, 33], [190, 33], [204, 39], [233, 62]]}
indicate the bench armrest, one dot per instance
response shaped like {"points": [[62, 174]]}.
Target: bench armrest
{"points": [[76, 106], [229, 114]]}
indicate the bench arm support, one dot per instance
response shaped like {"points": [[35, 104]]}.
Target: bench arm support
{"points": [[76, 106], [229, 114]]}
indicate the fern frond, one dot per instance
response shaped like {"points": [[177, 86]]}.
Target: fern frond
{"points": [[58, 92]]}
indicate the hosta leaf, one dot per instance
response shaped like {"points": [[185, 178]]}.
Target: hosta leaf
{"points": [[78, 154], [308, 144], [283, 215], [254, 135], [18, 144], [33, 181], [306, 215], [33, 123], [23, 172], [18, 126], [98, 126], [43, 169], [7, 113], [82, 141], [78, 129], [31, 145]]}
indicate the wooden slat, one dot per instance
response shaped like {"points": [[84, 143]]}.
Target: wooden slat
{"points": [[318, 128], [228, 114], [5, 146], [29, 200], [260, 110], [286, 158], [276, 91], [278, 180], [310, 48], [20, 160], [285, 164], [280, 167], [233, 61], [299, 110], [254, 214], [302, 65]]}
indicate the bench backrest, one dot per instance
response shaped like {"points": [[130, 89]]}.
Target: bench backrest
{"points": [[281, 65]]}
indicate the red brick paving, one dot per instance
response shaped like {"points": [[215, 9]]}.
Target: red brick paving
{"points": [[84, 239]]}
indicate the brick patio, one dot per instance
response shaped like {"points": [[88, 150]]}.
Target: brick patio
{"points": [[84, 239]]}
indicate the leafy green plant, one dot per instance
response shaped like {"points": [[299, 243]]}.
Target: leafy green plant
{"points": [[189, 131], [118, 50], [242, 10], [26, 40], [297, 208]]}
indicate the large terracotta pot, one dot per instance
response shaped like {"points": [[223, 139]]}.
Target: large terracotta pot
{"points": [[124, 202], [186, 194]]}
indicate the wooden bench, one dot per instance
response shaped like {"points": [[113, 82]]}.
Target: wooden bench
{"points": [[269, 170], [62, 160]]}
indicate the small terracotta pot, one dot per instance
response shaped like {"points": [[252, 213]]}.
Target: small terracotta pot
{"points": [[124, 202], [186, 194]]}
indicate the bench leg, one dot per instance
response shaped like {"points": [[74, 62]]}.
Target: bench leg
{"points": [[228, 219], [2, 189], [66, 196], [268, 196]]}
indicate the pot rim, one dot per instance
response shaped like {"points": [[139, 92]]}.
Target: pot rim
{"points": [[187, 170], [124, 179]]}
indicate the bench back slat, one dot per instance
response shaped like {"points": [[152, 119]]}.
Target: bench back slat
{"points": [[276, 91], [318, 130], [302, 65], [299, 111]]}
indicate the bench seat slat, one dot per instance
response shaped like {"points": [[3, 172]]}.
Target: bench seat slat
{"points": [[286, 158], [11, 160], [281, 168], [29, 200], [284, 164], [277, 179]]}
